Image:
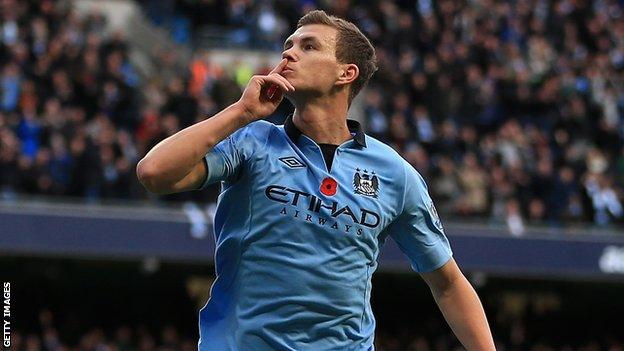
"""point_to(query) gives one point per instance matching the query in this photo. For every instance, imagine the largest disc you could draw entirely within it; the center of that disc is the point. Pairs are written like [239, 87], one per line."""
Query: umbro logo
[292, 162]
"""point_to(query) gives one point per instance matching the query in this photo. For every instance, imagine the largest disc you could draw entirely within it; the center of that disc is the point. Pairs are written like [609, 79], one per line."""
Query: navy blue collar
[354, 127]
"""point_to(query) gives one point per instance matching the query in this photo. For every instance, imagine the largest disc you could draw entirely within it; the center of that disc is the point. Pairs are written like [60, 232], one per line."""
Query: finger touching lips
[280, 66]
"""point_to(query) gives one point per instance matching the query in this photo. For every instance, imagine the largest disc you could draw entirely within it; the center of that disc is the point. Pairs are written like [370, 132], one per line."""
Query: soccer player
[305, 207]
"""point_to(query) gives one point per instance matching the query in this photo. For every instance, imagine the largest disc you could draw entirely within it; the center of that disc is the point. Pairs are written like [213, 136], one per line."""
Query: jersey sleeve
[226, 160]
[418, 230]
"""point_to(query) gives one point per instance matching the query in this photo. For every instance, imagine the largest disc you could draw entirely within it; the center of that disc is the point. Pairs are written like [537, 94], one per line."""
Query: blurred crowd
[511, 110]
[123, 338]
[435, 336]
[69, 104]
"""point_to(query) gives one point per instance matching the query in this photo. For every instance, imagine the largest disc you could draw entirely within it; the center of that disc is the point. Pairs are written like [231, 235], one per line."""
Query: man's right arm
[176, 164]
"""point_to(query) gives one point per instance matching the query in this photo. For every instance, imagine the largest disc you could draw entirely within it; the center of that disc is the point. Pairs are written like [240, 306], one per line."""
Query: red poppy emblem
[329, 186]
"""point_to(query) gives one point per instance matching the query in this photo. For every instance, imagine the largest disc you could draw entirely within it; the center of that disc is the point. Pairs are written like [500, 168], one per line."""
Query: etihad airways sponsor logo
[310, 208]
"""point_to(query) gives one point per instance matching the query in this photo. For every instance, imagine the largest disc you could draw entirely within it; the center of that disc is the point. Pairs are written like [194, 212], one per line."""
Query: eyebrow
[304, 40]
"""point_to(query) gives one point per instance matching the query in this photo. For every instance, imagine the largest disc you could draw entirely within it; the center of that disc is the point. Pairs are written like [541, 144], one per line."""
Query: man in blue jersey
[306, 207]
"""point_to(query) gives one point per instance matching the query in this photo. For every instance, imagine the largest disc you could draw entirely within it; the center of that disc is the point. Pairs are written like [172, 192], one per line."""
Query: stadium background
[512, 111]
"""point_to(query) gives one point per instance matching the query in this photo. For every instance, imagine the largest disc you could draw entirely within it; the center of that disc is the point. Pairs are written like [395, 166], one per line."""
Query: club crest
[435, 217]
[366, 183]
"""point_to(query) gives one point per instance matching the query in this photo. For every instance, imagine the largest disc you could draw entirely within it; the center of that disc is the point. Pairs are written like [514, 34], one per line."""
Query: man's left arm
[460, 306]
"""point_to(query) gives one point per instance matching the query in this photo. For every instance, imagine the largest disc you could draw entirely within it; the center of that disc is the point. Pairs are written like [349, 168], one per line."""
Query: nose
[288, 54]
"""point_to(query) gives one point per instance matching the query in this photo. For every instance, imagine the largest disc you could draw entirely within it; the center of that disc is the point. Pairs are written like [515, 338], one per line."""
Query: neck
[325, 122]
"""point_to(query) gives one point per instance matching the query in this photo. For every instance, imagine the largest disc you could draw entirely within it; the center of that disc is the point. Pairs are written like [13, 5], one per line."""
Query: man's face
[312, 65]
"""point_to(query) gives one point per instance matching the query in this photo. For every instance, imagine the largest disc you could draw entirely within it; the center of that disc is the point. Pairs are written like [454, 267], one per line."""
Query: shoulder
[260, 127]
[254, 133]
[378, 147]
[388, 156]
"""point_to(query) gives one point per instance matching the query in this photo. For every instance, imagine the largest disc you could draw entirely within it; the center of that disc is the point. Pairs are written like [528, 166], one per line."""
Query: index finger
[280, 66]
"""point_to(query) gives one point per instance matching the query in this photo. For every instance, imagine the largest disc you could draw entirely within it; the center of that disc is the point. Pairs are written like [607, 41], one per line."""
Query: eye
[308, 47]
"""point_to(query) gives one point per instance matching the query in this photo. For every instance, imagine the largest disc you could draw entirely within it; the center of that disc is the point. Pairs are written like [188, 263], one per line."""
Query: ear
[347, 74]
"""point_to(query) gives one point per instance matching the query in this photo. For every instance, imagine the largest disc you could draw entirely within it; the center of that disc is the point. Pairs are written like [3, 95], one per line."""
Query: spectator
[604, 199]
[524, 99]
[473, 181]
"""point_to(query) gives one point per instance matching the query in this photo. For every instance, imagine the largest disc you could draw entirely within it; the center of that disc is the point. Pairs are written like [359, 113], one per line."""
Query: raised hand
[264, 93]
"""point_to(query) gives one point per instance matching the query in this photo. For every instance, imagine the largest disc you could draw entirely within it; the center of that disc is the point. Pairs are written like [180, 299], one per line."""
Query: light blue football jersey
[296, 244]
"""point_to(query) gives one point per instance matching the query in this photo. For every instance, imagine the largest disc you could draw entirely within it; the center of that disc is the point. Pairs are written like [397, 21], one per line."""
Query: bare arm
[176, 163]
[460, 306]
